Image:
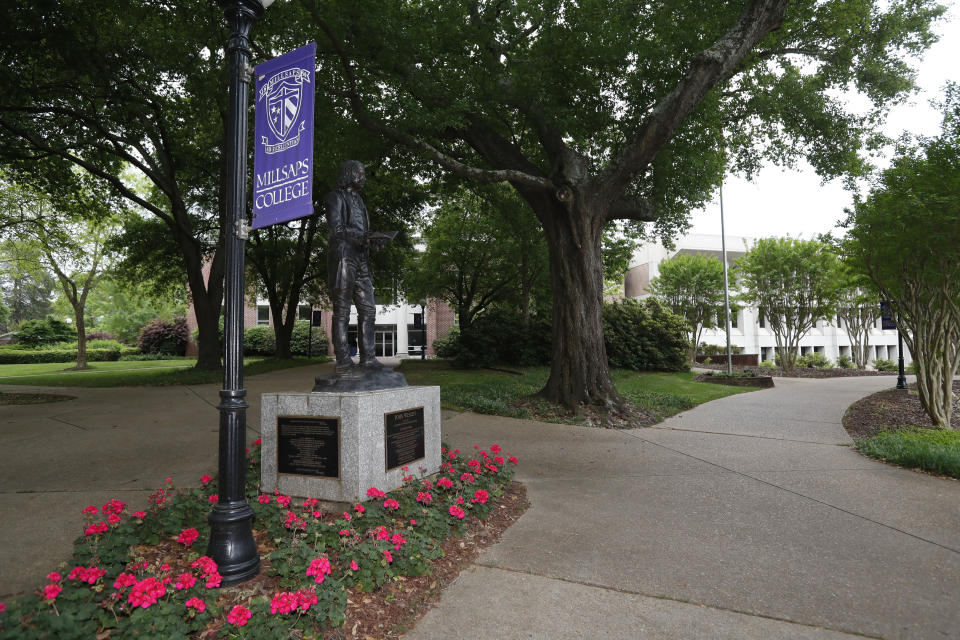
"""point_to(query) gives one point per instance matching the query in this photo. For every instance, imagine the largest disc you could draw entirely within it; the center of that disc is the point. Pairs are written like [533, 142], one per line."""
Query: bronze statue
[348, 267]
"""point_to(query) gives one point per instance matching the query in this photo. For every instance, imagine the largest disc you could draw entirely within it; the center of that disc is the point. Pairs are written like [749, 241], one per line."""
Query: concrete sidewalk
[748, 517]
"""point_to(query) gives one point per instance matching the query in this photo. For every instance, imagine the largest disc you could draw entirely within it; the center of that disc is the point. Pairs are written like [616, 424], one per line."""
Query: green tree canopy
[691, 285]
[905, 237]
[600, 111]
[794, 284]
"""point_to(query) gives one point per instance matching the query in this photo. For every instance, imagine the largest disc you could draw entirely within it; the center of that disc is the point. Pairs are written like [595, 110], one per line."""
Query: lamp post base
[231, 542]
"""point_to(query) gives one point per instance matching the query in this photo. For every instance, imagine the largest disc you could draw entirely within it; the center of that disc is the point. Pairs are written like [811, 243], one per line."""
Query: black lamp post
[423, 324]
[901, 378]
[231, 544]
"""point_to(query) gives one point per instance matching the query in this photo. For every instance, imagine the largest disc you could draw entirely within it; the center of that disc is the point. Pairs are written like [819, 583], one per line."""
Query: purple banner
[283, 138]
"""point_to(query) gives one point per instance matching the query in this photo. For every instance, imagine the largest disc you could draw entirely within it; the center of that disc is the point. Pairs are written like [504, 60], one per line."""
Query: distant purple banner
[283, 138]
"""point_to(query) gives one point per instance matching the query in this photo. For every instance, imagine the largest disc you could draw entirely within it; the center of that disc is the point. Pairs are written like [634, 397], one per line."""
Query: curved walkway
[747, 517]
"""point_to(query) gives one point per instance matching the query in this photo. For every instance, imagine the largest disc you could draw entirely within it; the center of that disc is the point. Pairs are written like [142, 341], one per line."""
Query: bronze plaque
[404, 435]
[308, 446]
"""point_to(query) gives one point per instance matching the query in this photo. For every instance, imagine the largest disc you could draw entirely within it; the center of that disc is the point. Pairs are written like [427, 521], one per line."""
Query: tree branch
[707, 68]
[444, 160]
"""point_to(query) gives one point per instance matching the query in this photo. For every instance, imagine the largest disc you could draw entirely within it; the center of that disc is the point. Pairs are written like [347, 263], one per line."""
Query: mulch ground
[801, 372]
[890, 410]
[32, 398]
[627, 416]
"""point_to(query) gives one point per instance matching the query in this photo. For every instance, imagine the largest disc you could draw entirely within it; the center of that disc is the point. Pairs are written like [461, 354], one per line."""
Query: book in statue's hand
[382, 236]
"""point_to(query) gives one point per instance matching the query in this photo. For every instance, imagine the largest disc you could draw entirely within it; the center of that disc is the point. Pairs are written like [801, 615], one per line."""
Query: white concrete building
[749, 330]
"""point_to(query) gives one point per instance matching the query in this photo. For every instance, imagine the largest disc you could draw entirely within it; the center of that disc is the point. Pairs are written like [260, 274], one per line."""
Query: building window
[839, 322]
[303, 312]
[734, 316]
[263, 314]
[763, 321]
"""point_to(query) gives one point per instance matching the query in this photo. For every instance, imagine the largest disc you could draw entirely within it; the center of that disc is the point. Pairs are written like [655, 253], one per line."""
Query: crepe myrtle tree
[794, 284]
[603, 111]
[858, 309]
[905, 237]
[691, 285]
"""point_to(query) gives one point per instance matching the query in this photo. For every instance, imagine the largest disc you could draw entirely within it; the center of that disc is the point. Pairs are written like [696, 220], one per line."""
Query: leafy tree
[69, 235]
[122, 307]
[691, 285]
[905, 237]
[479, 247]
[112, 85]
[858, 307]
[794, 284]
[602, 111]
[26, 286]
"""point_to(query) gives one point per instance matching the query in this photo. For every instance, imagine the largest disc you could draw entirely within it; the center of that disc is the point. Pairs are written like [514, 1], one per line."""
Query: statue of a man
[348, 267]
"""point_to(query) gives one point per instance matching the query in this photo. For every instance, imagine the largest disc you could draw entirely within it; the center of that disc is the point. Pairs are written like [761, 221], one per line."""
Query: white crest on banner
[282, 96]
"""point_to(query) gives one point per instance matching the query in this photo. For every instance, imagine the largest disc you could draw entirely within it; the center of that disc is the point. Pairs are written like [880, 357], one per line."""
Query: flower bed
[142, 574]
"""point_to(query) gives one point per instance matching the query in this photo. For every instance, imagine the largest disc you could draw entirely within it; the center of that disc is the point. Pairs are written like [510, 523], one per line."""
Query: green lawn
[936, 450]
[489, 391]
[134, 373]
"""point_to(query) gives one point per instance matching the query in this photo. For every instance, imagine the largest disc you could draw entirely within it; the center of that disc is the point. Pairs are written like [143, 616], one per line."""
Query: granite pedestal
[335, 446]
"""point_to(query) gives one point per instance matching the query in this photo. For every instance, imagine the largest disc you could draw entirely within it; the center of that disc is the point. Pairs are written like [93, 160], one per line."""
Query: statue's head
[351, 175]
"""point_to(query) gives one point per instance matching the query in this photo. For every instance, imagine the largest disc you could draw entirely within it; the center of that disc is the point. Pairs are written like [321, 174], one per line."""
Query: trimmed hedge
[34, 333]
[644, 336]
[259, 341]
[300, 340]
[22, 356]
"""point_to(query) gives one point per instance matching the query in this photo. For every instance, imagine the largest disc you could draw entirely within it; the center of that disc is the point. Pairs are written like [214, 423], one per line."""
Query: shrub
[300, 339]
[259, 341]
[446, 347]
[135, 356]
[845, 362]
[644, 336]
[882, 364]
[814, 360]
[36, 333]
[498, 336]
[768, 364]
[717, 350]
[24, 356]
[101, 335]
[161, 336]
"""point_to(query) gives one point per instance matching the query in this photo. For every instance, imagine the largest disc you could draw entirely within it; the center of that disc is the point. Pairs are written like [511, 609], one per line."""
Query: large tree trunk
[579, 372]
[81, 337]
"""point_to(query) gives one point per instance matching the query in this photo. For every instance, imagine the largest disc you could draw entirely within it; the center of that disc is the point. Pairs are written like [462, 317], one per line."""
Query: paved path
[749, 517]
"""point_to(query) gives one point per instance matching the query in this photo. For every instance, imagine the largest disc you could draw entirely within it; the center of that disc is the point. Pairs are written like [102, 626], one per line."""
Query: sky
[779, 202]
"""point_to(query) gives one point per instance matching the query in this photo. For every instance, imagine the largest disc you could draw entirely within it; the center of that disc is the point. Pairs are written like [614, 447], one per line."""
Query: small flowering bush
[114, 587]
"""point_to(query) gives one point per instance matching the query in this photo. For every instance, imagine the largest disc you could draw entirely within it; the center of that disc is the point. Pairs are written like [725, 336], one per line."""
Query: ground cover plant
[892, 426]
[143, 573]
[137, 373]
[655, 395]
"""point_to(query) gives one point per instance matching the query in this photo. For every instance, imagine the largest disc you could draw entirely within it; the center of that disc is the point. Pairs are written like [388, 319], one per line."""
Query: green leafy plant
[301, 341]
[883, 364]
[814, 360]
[936, 450]
[769, 365]
[161, 336]
[645, 336]
[36, 333]
[259, 340]
[845, 362]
